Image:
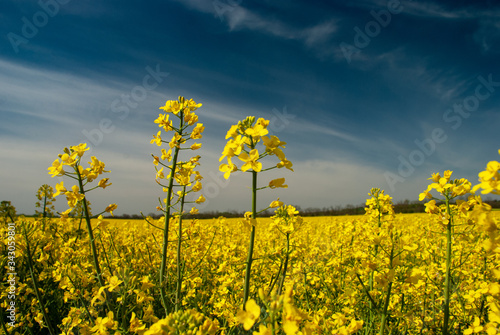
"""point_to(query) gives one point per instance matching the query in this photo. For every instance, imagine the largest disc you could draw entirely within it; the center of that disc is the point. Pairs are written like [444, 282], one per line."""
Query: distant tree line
[405, 206]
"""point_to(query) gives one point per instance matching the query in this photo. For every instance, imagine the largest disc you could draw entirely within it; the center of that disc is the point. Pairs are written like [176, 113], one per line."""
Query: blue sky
[371, 93]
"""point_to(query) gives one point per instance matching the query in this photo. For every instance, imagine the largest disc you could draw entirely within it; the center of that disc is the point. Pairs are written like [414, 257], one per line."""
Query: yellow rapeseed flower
[197, 131]
[227, 169]
[74, 196]
[285, 163]
[200, 199]
[175, 141]
[197, 187]
[279, 182]
[166, 154]
[489, 178]
[172, 106]
[195, 146]
[159, 174]
[263, 330]
[157, 139]
[250, 315]
[276, 203]
[190, 118]
[111, 208]
[104, 183]
[56, 169]
[136, 325]
[113, 283]
[60, 189]
[164, 122]
[257, 131]
[251, 161]
[80, 149]
[232, 132]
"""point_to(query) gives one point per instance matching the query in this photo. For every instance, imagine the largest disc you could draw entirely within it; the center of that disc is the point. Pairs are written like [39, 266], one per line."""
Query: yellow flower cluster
[189, 322]
[182, 109]
[281, 313]
[445, 186]
[243, 139]
[45, 195]
[379, 207]
[286, 220]
[490, 178]
[72, 158]
[184, 172]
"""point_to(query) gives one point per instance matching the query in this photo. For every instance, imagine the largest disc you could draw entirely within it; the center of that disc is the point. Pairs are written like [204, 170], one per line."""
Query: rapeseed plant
[7, 211]
[71, 158]
[380, 211]
[45, 196]
[489, 183]
[286, 221]
[244, 138]
[455, 219]
[181, 174]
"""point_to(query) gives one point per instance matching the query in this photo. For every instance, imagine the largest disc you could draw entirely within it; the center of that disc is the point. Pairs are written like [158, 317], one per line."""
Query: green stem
[165, 231]
[388, 296]
[44, 215]
[273, 323]
[274, 280]
[4, 327]
[252, 238]
[82, 301]
[282, 281]
[372, 273]
[45, 204]
[179, 241]
[89, 229]
[370, 285]
[447, 282]
[305, 290]
[106, 256]
[167, 217]
[367, 292]
[384, 313]
[483, 298]
[35, 284]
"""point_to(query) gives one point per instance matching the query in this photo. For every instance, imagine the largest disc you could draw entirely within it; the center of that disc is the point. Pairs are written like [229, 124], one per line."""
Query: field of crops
[378, 273]
[331, 261]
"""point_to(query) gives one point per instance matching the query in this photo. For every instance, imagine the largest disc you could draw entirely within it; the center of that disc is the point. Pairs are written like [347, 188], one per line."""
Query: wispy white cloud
[433, 9]
[24, 170]
[314, 37]
[45, 110]
[87, 9]
[200, 5]
[66, 103]
[240, 18]
[315, 128]
[401, 67]
[319, 34]
[487, 35]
